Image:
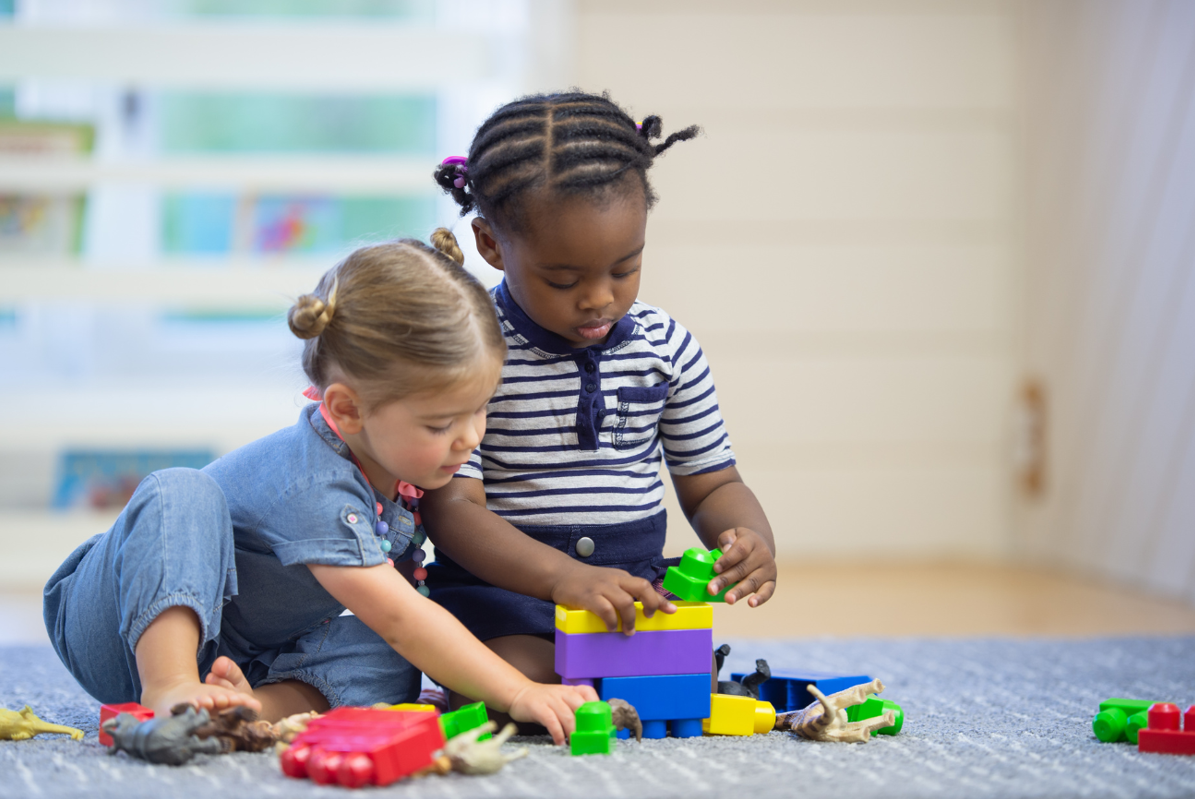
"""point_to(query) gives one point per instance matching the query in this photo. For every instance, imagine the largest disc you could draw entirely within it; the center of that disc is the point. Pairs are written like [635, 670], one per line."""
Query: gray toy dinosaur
[170, 740]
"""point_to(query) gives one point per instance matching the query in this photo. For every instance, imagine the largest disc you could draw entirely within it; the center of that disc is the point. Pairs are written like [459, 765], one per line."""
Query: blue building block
[788, 690]
[660, 697]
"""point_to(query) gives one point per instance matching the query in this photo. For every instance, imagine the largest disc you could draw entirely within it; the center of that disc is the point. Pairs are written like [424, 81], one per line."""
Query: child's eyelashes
[440, 430]
[562, 285]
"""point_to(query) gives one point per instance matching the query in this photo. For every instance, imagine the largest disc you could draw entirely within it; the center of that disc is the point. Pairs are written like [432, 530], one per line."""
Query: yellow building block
[688, 616]
[414, 707]
[738, 715]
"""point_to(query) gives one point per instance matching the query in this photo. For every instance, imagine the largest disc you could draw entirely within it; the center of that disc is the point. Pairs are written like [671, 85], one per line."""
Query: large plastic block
[661, 697]
[691, 577]
[1165, 733]
[789, 690]
[738, 715]
[353, 746]
[463, 719]
[412, 707]
[1120, 719]
[686, 728]
[139, 712]
[688, 616]
[616, 655]
[595, 733]
[873, 707]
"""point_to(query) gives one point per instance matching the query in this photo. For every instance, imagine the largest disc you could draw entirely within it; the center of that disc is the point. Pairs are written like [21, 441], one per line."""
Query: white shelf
[374, 56]
[341, 174]
[225, 284]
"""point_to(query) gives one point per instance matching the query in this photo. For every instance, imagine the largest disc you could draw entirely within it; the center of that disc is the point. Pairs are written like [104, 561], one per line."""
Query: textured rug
[983, 718]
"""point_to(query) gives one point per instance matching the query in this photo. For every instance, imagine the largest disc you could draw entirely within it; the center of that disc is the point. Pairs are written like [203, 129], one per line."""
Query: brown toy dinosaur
[21, 726]
[238, 729]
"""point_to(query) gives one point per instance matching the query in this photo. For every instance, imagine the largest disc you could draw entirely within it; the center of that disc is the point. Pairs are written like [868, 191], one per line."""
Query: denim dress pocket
[639, 410]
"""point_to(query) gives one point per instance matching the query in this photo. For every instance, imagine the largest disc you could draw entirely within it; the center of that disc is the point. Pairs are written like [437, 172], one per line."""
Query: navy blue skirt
[492, 612]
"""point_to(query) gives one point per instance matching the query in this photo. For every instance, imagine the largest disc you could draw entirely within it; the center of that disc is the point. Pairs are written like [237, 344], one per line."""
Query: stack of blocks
[1152, 726]
[663, 670]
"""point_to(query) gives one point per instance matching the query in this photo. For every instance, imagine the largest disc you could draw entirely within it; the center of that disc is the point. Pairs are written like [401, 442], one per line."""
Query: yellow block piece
[410, 706]
[738, 715]
[688, 616]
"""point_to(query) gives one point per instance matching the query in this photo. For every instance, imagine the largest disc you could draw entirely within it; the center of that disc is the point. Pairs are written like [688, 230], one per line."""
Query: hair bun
[445, 242]
[311, 314]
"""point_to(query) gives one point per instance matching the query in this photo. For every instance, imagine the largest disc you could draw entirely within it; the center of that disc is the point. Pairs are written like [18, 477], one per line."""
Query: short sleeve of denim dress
[297, 498]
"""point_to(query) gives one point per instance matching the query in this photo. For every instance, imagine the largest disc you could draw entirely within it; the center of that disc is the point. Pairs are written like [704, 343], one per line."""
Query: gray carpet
[984, 718]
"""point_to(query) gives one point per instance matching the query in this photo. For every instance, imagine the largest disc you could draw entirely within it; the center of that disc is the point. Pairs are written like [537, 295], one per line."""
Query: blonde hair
[397, 319]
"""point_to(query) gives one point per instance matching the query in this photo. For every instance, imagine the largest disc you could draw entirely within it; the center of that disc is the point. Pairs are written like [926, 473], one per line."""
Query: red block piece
[1163, 734]
[140, 712]
[355, 746]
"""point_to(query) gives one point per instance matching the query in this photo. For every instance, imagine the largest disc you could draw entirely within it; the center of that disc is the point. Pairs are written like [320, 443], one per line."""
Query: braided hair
[571, 143]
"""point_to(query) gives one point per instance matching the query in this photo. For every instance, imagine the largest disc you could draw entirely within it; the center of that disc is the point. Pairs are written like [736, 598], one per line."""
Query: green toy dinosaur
[21, 726]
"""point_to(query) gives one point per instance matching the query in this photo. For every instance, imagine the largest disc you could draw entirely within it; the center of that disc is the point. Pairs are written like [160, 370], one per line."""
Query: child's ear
[487, 243]
[344, 406]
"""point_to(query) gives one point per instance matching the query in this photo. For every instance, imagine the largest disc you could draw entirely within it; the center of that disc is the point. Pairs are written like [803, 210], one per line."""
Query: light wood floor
[948, 600]
[883, 600]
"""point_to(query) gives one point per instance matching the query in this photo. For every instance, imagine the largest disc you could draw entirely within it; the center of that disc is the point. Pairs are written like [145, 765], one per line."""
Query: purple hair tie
[462, 165]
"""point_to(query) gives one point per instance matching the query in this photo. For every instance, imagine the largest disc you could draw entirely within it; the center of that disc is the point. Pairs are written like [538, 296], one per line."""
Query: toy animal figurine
[826, 719]
[21, 726]
[289, 728]
[624, 717]
[169, 739]
[470, 756]
[750, 684]
[238, 729]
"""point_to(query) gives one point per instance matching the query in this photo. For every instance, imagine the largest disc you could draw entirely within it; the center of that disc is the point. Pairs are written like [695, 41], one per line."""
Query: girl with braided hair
[561, 502]
[226, 586]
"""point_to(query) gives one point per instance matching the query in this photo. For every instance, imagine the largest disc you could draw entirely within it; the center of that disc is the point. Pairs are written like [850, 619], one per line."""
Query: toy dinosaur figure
[750, 684]
[625, 717]
[470, 756]
[168, 739]
[21, 726]
[826, 719]
[237, 728]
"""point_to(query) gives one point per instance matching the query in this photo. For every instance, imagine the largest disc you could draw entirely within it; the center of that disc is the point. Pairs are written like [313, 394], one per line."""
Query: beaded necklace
[404, 493]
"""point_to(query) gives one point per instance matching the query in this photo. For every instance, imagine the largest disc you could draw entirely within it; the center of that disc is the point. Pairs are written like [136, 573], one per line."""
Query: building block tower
[663, 670]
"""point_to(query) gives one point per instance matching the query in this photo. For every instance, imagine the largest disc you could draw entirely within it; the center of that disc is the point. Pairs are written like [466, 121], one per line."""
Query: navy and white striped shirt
[574, 436]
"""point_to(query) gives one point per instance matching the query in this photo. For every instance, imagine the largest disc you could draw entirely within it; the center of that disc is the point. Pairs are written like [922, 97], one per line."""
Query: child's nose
[598, 297]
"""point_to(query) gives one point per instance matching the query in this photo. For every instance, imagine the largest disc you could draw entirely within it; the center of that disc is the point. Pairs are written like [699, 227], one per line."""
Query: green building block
[1119, 720]
[467, 717]
[595, 734]
[689, 579]
[874, 706]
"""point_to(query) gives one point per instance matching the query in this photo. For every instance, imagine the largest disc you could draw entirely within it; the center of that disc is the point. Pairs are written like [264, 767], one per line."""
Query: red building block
[140, 712]
[1163, 735]
[355, 746]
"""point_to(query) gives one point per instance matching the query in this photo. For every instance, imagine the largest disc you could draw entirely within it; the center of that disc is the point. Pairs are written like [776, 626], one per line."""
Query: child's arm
[459, 522]
[435, 642]
[727, 516]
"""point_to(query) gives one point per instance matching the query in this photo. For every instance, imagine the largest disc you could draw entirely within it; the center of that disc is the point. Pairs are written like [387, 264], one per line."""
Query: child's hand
[610, 594]
[553, 706]
[746, 560]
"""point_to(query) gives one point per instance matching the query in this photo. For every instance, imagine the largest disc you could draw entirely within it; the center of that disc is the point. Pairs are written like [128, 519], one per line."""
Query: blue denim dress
[232, 542]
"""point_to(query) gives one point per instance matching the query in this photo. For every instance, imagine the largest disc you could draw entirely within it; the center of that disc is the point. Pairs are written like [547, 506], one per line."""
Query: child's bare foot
[160, 699]
[227, 674]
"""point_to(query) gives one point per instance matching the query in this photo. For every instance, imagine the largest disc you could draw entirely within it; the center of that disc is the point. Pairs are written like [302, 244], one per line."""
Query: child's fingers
[604, 609]
[550, 719]
[580, 695]
[763, 594]
[632, 588]
[652, 600]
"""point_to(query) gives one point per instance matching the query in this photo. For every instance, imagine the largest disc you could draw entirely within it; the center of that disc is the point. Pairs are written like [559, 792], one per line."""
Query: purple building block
[591, 655]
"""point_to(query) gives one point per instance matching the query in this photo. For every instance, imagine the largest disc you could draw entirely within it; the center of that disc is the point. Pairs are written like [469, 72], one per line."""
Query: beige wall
[843, 242]
[1110, 318]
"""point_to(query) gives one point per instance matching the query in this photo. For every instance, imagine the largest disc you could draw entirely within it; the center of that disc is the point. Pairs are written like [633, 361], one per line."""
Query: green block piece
[689, 579]
[1137, 721]
[1119, 720]
[465, 718]
[873, 707]
[595, 732]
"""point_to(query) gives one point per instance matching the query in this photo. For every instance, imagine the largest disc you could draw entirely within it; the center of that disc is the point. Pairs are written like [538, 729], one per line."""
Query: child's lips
[598, 328]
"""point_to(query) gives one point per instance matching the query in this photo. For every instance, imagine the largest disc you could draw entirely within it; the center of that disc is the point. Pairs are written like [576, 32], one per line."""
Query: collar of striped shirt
[548, 341]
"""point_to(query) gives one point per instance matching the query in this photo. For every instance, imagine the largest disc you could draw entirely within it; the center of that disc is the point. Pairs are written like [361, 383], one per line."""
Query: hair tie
[462, 169]
[313, 393]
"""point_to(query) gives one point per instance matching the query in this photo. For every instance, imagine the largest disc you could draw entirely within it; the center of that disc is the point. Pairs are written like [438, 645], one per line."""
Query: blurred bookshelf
[234, 151]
